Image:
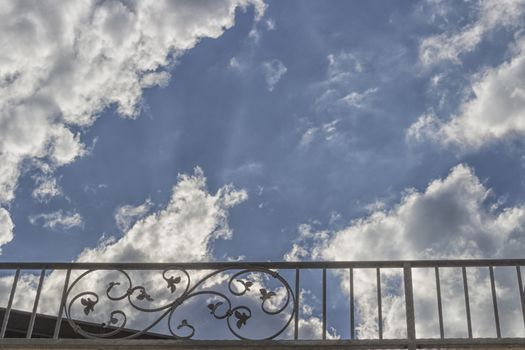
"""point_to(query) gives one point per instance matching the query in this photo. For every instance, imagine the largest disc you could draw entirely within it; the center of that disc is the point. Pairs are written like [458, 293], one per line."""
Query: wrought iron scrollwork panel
[232, 304]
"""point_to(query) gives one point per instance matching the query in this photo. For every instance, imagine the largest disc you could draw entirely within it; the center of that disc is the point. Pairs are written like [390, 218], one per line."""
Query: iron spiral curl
[221, 304]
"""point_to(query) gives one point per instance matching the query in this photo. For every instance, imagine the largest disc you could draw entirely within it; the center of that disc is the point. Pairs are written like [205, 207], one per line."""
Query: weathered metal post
[409, 306]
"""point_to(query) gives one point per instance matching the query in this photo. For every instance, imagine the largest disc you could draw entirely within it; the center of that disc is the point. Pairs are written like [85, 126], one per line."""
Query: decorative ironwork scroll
[278, 302]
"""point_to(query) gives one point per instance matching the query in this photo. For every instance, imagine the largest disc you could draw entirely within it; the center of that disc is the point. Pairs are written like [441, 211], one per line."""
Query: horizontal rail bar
[266, 264]
[411, 342]
[265, 344]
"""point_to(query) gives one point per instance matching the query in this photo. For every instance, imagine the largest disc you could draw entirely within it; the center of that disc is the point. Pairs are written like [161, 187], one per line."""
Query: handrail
[274, 287]
[267, 264]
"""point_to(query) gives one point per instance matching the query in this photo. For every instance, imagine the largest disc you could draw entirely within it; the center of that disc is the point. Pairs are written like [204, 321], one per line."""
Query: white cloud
[308, 136]
[346, 85]
[492, 14]
[326, 132]
[94, 188]
[6, 227]
[343, 65]
[374, 206]
[183, 231]
[310, 324]
[311, 328]
[61, 64]
[356, 99]
[340, 98]
[57, 220]
[126, 215]
[453, 217]
[236, 64]
[334, 217]
[495, 111]
[307, 244]
[270, 24]
[273, 72]
[47, 188]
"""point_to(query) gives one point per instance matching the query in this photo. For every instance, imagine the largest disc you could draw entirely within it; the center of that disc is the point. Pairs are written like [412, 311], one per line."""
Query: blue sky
[174, 131]
[307, 107]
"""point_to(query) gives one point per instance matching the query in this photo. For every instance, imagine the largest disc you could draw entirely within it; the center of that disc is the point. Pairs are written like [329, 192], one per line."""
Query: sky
[261, 130]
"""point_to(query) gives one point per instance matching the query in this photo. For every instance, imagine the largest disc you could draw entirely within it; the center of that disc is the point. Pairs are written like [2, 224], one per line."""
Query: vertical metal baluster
[409, 307]
[62, 302]
[324, 303]
[352, 326]
[520, 283]
[35, 305]
[297, 295]
[467, 301]
[440, 307]
[9, 304]
[494, 301]
[379, 311]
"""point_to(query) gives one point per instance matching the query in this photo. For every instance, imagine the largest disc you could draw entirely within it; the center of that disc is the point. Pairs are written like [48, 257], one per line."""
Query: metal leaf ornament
[214, 307]
[89, 305]
[265, 294]
[183, 323]
[246, 284]
[113, 284]
[241, 318]
[143, 295]
[112, 320]
[221, 303]
[172, 281]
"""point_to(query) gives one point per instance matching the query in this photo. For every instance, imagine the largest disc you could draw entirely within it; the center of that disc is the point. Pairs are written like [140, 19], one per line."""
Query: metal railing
[233, 292]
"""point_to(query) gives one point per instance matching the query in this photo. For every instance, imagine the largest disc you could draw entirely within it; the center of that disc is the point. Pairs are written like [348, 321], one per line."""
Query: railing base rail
[455, 343]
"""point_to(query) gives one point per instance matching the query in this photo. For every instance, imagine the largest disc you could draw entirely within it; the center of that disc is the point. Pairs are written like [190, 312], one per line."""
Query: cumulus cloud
[310, 325]
[308, 241]
[46, 188]
[183, 231]
[57, 220]
[6, 227]
[491, 15]
[311, 328]
[495, 111]
[126, 215]
[273, 72]
[63, 63]
[454, 217]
